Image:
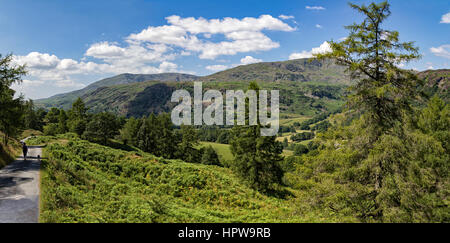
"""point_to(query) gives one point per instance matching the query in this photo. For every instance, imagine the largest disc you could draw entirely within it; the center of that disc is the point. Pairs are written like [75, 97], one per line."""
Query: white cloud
[286, 17]
[243, 35]
[299, 55]
[217, 68]
[445, 18]
[244, 61]
[319, 26]
[227, 25]
[105, 50]
[38, 60]
[68, 84]
[441, 51]
[168, 67]
[324, 48]
[32, 83]
[249, 60]
[315, 8]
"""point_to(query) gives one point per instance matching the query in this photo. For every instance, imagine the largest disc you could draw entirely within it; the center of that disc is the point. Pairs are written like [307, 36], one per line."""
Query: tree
[79, 110]
[387, 165]
[372, 54]
[147, 136]
[103, 126]
[11, 109]
[167, 142]
[31, 120]
[51, 129]
[210, 156]
[156, 136]
[52, 116]
[62, 122]
[40, 116]
[186, 148]
[435, 120]
[129, 132]
[78, 117]
[256, 158]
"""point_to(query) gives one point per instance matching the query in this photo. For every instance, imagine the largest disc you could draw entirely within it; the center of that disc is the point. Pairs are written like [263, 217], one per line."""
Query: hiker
[24, 150]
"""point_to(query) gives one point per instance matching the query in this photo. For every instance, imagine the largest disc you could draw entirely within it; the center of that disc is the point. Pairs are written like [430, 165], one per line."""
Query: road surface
[19, 189]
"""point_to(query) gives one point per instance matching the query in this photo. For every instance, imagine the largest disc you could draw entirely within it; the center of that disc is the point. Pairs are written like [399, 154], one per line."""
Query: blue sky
[70, 44]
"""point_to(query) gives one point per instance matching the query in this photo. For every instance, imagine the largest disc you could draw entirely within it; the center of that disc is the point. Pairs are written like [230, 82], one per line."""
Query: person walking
[24, 150]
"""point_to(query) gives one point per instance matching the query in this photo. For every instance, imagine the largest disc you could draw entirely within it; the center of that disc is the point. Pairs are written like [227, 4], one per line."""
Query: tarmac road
[19, 189]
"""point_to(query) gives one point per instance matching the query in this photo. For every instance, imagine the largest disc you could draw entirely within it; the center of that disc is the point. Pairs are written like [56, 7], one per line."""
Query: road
[19, 189]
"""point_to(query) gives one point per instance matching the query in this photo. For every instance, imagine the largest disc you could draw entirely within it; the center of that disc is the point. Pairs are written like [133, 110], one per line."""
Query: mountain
[301, 70]
[128, 78]
[306, 88]
[437, 82]
[66, 99]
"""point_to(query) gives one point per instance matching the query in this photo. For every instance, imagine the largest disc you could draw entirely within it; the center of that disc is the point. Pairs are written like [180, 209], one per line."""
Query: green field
[291, 121]
[224, 152]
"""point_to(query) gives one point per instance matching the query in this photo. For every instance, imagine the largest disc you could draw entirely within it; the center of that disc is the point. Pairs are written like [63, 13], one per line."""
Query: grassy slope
[85, 182]
[223, 150]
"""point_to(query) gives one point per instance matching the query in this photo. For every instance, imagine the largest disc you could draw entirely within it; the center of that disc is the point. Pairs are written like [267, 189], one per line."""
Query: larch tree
[373, 55]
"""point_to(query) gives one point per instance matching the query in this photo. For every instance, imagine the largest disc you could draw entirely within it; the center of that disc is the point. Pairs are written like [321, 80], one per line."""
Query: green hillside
[64, 100]
[287, 73]
[141, 99]
[300, 70]
[86, 182]
[437, 82]
[306, 88]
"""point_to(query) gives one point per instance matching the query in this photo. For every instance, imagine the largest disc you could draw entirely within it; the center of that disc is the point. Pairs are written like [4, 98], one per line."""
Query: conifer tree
[372, 55]
[256, 158]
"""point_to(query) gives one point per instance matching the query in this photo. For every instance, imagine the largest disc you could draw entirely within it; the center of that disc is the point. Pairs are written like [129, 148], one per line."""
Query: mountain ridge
[306, 88]
[301, 70]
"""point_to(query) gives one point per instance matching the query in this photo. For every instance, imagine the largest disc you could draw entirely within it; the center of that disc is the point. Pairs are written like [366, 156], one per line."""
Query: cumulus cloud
[445, 18]
[249, 60]
[441, 51]
[324, 48]
[105, 50]
[315, 8]
[242, 35]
